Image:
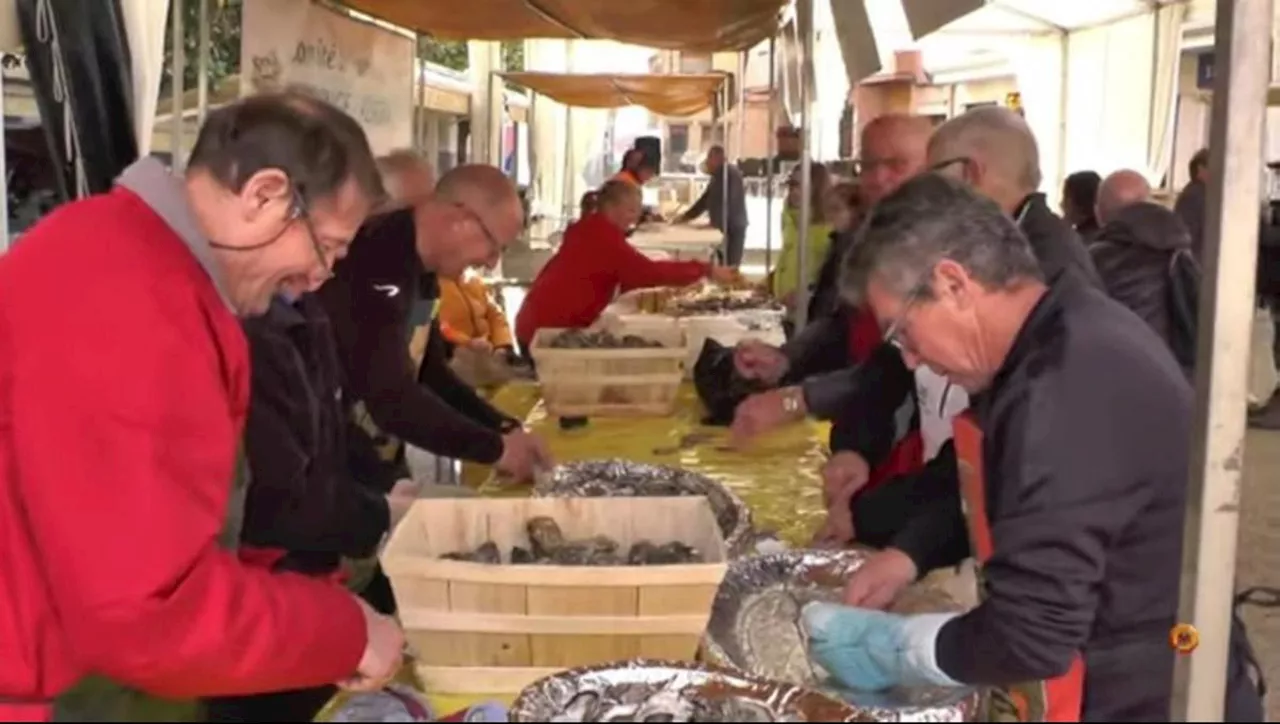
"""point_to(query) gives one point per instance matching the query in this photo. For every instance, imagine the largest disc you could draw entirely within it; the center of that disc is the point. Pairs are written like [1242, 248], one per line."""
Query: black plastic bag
[718, 383]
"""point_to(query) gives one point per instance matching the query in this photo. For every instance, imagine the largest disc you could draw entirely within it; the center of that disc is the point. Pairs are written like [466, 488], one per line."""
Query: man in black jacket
[386, 287]
[1075, 496]
[1136, 252]
[309, 505]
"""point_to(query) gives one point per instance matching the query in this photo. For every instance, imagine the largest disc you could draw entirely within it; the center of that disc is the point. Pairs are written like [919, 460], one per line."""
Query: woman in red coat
[596, 262]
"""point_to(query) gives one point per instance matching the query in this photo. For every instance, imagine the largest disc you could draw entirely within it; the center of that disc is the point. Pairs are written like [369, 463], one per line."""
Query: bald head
[994, 149]
[892, 151]
[1119, 190]
[473, 215]
[407, 177]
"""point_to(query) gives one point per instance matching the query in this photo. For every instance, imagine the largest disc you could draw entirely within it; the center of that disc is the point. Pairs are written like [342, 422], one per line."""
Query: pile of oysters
[547, 546]
[583, 339]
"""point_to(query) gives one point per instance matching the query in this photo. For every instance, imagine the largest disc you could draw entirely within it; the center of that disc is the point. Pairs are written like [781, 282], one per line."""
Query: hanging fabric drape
[665, 95]
[1167, 52]
[81, 79]
[705, 25]
[144, 22]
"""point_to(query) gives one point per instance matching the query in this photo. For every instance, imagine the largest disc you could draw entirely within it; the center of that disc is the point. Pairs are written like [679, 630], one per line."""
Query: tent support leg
[772, 152]
[178, 86]
[1217, 455]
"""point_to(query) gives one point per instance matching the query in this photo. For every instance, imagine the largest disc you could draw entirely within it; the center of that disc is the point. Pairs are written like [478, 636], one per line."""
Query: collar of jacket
[166, 195]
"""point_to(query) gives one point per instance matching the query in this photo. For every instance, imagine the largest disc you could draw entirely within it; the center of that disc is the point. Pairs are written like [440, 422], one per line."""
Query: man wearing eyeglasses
[1073, 477]
[387, 287]
[120, 485]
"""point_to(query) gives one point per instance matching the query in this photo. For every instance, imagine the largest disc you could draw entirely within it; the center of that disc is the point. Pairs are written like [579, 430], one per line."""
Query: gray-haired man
[1075, 496]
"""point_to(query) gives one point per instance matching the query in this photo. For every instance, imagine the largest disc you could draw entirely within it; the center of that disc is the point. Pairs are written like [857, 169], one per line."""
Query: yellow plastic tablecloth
[777, 477]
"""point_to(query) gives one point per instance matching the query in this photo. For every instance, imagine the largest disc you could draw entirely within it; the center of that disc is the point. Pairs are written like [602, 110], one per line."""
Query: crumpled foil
[640, 678]
[811, 575]
[620, 478]
[395, 703]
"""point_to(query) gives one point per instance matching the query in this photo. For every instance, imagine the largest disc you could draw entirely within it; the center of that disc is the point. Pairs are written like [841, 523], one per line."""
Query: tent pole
[1243, 43]
[742, 106]
[806, 8]
[176, 89]
[771, 152]
[202, 77]
[724, 174]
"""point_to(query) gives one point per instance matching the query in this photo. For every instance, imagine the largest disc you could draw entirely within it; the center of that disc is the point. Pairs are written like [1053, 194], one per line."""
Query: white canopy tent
[1079, 65]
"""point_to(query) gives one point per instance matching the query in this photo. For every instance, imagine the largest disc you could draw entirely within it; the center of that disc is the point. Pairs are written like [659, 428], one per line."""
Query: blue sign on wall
[1204, 71]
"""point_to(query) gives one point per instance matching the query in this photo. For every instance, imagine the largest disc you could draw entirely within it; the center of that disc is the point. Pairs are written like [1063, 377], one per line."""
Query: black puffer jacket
[1132, 254]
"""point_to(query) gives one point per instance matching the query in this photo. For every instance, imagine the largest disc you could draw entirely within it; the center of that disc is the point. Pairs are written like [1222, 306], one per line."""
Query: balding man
[407, 178]
[1144, 255]
[387, 286]
[822, 362]
[994, 151]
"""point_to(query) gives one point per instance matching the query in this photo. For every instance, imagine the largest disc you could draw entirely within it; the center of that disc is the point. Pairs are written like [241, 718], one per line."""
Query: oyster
[547, 545]
[545, 536]
[583, 339]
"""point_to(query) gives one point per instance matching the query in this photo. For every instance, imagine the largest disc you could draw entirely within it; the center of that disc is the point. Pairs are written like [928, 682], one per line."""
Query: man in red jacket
[594, 263]
[119, 489]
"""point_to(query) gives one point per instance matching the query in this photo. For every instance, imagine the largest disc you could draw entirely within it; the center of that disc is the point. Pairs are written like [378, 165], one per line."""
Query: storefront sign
[361, 68]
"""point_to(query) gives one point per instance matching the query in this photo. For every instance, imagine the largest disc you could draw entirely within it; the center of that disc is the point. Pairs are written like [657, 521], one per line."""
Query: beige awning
[665, 95]
[701, 25]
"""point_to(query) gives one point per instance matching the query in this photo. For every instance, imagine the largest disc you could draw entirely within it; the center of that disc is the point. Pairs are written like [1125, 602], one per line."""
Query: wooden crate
[611, 382]
[491, 630]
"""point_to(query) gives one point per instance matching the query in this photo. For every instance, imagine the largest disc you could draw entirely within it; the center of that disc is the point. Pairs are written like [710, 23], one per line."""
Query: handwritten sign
[361, 68]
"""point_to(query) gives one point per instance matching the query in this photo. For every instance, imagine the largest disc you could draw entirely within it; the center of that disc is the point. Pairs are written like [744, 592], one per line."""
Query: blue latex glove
[871, 650]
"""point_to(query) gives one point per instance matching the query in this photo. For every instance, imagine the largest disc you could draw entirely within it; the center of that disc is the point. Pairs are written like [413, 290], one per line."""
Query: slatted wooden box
[611, 382]
[490, 630]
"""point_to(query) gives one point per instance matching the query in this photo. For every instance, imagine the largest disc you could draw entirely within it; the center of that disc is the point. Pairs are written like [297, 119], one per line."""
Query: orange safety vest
[628, 176]
[1053, 700]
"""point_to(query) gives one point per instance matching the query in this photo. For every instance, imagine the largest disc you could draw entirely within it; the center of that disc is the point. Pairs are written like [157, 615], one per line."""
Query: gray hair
[616, 191]
[929, 219]
[997, 135]
[393, 165]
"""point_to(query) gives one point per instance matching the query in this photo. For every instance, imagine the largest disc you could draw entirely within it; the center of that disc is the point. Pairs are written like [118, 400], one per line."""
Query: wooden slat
[552, 625]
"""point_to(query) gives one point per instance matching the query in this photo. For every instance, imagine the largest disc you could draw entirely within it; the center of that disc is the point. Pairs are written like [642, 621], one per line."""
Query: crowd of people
[1004, 390]
[1000, 389]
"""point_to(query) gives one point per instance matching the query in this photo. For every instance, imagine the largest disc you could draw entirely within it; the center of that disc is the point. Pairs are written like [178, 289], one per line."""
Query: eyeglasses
[495, 246]
[302, 213]
[895, 333]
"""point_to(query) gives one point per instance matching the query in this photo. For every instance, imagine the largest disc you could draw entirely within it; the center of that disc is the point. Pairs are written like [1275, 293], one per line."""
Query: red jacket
[595, 262]
[124, 385]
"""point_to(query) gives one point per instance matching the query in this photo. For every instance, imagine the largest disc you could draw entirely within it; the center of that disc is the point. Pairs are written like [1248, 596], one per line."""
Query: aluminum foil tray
[394, 704]
[619, 478]
[658, 691]
[754, 629]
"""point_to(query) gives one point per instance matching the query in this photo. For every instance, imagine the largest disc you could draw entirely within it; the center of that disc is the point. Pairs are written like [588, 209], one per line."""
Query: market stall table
[681, 241]
[777, 477]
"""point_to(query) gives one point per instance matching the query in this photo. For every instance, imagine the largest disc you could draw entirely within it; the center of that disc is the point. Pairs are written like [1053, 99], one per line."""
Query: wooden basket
[491, 630]
[611, 382]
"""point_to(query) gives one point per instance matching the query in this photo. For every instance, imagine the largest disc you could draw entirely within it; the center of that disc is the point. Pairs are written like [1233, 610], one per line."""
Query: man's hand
[383, 652]
[881, 578]
[837, 531]
[843, 475]
[756, 360]
[766, 411]
[480, 344]
[523, 455]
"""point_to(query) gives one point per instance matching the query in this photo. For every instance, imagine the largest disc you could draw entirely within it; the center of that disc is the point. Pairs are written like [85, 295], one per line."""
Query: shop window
[677, 146]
